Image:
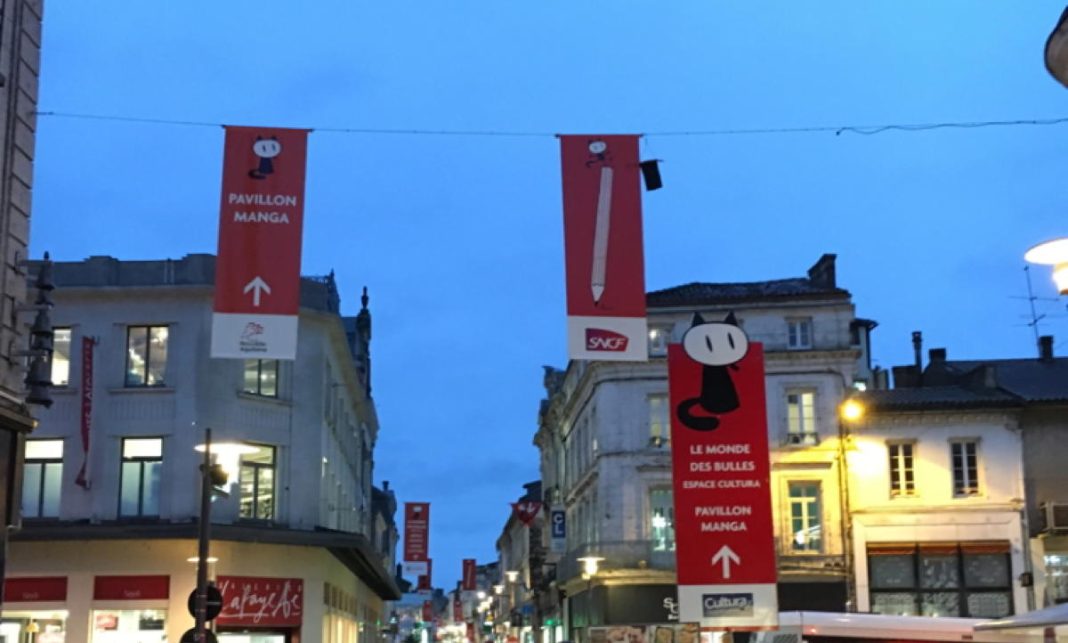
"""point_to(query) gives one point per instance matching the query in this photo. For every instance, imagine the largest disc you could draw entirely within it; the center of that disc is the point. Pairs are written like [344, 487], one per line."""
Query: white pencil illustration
[600, 235]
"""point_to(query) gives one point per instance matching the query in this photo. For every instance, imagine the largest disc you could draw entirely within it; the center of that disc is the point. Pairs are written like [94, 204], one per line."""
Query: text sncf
[599, 339]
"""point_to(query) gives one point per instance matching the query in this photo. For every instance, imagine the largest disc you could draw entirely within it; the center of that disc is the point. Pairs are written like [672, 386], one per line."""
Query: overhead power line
[864, 130]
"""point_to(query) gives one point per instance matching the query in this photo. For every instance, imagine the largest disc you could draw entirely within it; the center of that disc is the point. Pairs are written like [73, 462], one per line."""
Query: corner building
[605, 442]
[112, 484]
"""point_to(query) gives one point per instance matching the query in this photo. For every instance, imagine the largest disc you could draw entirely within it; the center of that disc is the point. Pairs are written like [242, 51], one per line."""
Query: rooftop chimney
[1045, 348]
[822, 272]
[917, 349]
[906, 377]
[936, 355]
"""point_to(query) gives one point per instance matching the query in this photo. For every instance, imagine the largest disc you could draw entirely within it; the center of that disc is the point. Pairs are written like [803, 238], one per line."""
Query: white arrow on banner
[257, 286]
[727, 555]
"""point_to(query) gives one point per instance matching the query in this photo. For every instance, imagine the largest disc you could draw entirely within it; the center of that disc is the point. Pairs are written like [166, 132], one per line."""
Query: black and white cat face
[598, 147]
[267, 148]
[715, 343]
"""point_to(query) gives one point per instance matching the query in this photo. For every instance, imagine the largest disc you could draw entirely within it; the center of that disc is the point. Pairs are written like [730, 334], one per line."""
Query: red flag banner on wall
[457, 609]
[428, 611]
[469, 581]
[725, 545]
[603, 247]
[425, 582]
[82, 479]
[526, 511]
[257, 273]
[416, 531]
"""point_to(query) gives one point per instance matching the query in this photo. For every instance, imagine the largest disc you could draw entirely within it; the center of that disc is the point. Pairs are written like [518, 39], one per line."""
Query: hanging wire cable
[837, 130]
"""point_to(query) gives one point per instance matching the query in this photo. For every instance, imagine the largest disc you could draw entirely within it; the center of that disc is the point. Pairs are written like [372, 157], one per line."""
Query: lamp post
[203, 539]
[1053, 253]
[850, 412]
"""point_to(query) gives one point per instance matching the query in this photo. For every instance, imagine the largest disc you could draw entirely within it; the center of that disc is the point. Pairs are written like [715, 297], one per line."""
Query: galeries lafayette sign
[249, 600]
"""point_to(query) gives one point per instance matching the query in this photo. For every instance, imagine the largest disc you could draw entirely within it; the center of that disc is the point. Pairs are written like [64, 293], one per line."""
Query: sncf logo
[599, 339]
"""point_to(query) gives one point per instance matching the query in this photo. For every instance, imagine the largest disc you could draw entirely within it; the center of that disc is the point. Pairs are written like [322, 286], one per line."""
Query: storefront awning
[1048, 617]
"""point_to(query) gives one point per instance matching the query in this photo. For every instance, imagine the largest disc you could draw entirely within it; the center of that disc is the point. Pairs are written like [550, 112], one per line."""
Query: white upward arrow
[727, 555]
[257, 286]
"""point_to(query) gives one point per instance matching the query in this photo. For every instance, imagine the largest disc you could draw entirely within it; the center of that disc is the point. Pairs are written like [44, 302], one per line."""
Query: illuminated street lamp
[512, 575]
[1057, 50]
[1053, 253]
[590, 565]
[498, 589]
[851, 410]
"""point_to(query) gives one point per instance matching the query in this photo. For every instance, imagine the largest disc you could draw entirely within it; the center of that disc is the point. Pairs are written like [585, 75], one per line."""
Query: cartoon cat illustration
[266, 149]
[718, 346]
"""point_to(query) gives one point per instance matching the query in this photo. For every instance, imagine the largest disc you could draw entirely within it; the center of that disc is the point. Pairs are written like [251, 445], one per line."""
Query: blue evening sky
[459, 238]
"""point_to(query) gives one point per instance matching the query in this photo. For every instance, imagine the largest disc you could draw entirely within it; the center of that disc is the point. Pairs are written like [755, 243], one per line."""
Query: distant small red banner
[470, 580]
[131, 588]
[35, 590]
[261, 602]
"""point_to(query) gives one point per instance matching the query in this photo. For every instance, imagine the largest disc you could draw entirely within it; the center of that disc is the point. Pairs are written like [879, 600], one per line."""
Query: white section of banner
[243, 336]
[718, 607]
[414, 569]
[617, 339]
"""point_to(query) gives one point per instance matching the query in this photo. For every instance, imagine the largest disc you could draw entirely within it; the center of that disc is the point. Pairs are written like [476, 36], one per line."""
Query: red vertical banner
[603, 247]
[469, 580]
[721, 472]
[457, 609]
[428, 611]
[82, 479]
[257, 273]
[471, 631]
[416, 531]
[425, 582]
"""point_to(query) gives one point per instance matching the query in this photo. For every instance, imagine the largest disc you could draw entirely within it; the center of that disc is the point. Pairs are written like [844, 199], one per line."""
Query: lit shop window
[61, 357]
[257, 484]
[142, 460]
[42, 478]
[146, 355]
[806, 525]
[662, 519]
[129, 626]
[261, 377]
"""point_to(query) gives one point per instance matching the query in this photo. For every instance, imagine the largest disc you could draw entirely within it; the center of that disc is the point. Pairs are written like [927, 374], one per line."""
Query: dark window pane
[150, 500]
[252, 376]
[989, 604]
[939, 571]
[131, 489]
[269, 377]
[53, 481]
[31, 490]
[897, 603]
[940, 603]
[986, 570]
[891, 572]
[157, 363]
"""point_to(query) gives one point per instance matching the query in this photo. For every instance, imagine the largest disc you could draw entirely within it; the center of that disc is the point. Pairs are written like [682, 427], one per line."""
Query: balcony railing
[631, 554]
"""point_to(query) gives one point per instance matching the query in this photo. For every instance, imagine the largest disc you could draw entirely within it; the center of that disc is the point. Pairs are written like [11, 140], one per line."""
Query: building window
[42, 478]
[261, 377]
[257, 484]
[902, 480]
[806, 524]
[146, 355]
[1056, 579]
[61, 357]
[659, 423]
[659, 336]
[799, 333]
[801, 418]
[662, 519]
[142, 460]
[965, 468]
[941, 579]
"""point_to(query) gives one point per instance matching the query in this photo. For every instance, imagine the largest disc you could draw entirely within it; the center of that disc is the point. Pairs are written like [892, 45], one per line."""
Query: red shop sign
[249, 600]
[37, 589]
[131, 588]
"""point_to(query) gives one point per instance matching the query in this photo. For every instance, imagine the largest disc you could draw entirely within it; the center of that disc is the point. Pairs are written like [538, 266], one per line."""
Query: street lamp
[590, 565]
[851, 410]
[1057, 50]
[1053, 253]
[498, 589]
[512, 575]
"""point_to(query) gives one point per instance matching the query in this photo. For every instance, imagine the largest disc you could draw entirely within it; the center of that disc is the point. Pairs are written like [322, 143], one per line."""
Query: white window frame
[659, 419]
[806, 504]
[799, 333]
[60, 368]
[669, 520]
[906, 488]
[972, 484]
[802, 434]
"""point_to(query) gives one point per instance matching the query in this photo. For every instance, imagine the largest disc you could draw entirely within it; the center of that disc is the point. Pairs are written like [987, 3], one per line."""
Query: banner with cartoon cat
[261, 218]
[721, 474]
[603, 248]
